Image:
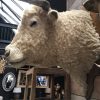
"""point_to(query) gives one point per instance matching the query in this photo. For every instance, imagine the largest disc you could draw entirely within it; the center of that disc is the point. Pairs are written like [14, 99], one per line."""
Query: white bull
[49, 38]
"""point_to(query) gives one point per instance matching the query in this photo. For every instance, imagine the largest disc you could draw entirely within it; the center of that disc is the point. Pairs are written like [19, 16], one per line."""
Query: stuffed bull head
[32, 33]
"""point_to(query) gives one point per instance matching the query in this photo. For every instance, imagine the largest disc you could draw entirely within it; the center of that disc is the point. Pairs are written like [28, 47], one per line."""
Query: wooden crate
[50, 74]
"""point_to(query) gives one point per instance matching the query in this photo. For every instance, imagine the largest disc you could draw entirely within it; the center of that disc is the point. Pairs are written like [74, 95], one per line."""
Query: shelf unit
[31, 83]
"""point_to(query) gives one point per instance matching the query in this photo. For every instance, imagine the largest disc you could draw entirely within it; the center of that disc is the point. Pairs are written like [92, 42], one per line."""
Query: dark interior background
[59, 5]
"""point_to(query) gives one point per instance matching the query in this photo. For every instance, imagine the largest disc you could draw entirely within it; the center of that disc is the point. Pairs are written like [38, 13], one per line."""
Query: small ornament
[2, 65]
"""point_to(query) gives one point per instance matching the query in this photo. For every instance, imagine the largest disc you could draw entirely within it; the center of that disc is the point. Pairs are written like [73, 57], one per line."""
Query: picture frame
[21, 82]
[42, 81]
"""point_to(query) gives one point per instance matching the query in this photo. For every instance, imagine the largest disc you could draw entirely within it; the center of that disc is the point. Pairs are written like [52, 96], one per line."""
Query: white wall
[74, 4]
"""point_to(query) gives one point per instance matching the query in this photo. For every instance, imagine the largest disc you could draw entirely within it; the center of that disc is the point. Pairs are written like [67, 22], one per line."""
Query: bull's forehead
[32, 10]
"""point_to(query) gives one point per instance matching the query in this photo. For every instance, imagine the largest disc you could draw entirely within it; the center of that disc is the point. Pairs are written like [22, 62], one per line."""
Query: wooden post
[33, 86]
[26, 89]
[52, 87]
[67, 94]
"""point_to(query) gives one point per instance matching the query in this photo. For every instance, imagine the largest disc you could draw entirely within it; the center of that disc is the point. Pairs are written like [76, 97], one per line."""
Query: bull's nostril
[7, 52]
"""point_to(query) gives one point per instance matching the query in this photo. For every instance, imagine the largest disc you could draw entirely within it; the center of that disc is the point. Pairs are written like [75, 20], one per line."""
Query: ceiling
[11, 10]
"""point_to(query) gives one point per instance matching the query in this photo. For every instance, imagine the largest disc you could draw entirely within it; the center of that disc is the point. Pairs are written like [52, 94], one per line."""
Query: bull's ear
[53, 15]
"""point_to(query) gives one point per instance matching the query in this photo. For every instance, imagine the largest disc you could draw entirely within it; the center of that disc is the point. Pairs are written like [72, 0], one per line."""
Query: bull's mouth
[17, 64]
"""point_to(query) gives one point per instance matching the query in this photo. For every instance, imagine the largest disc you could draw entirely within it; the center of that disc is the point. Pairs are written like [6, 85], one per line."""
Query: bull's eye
[33, 23]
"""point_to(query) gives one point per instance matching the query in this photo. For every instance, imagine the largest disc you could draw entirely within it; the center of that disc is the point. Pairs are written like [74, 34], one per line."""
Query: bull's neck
[51, 47]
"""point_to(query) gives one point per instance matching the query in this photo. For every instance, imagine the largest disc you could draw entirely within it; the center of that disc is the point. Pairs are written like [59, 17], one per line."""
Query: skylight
[11, 10]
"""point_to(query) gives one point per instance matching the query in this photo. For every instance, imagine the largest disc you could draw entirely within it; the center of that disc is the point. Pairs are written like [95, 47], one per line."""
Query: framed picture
[42, 81]
[21, 78]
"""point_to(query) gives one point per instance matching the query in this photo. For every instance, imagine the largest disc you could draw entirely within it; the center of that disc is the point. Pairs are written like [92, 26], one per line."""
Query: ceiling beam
[13, 26]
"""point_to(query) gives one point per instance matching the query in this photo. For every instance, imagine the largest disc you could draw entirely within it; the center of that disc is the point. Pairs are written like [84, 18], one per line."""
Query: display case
[47, 84]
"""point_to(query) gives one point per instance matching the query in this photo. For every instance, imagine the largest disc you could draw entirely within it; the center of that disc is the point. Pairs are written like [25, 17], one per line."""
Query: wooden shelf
[50, 72]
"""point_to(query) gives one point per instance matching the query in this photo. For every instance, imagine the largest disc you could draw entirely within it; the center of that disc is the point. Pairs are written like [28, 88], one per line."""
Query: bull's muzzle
[13, 54]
